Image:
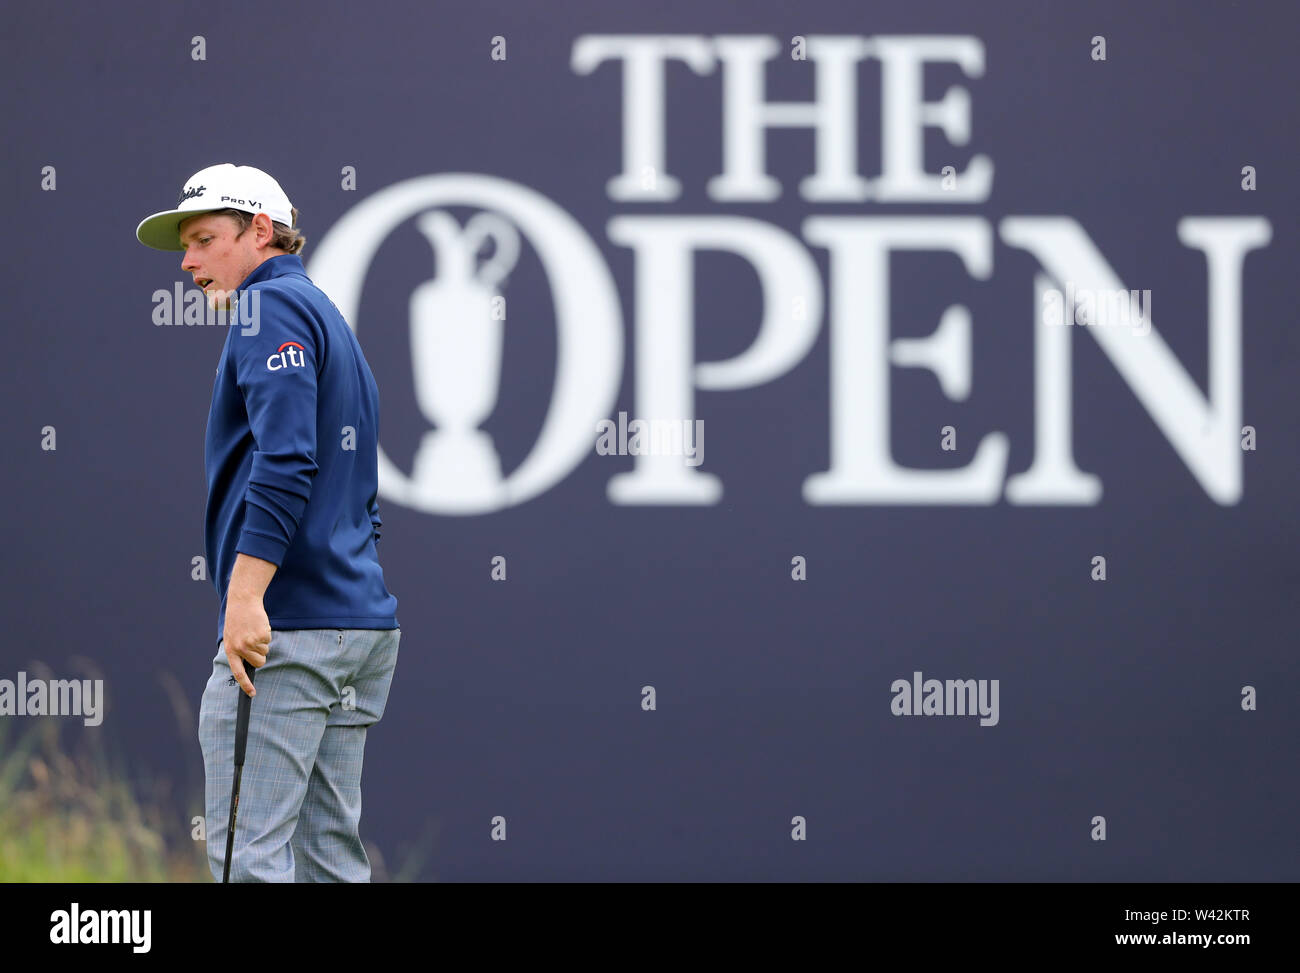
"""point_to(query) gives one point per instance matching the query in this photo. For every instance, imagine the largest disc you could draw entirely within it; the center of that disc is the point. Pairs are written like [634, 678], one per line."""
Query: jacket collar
[279, 266]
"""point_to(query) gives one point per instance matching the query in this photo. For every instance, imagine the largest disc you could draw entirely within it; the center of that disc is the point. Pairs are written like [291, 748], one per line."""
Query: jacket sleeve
[277, 373]
[375, 520]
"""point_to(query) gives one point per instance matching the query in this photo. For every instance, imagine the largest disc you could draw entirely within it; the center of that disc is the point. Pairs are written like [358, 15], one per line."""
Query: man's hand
[247, 638]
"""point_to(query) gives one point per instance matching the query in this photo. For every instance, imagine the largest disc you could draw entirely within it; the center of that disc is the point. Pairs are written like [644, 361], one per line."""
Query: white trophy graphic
[456, 354]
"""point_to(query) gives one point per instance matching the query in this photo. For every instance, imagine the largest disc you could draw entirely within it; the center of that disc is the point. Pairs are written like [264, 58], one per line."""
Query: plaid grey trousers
[300, 794]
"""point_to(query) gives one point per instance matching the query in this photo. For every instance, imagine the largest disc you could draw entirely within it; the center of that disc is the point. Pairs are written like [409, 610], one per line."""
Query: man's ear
[263, 230]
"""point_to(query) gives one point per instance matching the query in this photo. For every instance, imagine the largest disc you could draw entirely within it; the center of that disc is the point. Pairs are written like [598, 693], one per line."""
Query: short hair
[285, 238]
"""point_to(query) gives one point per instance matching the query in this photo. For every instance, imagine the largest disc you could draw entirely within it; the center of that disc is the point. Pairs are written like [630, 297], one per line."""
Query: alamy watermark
[651, 437]
[74, 926]
[53, 697]
[949, 697]
[1098, 309]
[177, 307]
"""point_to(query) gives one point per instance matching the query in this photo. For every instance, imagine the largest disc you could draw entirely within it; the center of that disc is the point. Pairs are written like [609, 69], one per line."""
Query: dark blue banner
[820, 442]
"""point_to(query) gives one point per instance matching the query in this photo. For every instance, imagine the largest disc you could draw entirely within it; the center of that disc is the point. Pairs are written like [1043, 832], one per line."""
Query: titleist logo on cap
[190, 194]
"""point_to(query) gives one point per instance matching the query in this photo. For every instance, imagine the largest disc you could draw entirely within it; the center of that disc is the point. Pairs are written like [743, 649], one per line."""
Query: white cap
[226, 186]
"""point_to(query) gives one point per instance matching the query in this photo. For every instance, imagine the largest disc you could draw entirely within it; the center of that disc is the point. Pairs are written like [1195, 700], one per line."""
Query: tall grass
[76, 815]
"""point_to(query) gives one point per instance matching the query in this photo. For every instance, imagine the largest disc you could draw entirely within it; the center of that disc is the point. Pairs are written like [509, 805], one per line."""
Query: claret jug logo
[456, 340]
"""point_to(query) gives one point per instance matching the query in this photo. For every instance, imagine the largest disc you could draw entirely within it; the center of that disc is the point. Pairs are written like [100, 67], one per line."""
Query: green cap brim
[162, 231]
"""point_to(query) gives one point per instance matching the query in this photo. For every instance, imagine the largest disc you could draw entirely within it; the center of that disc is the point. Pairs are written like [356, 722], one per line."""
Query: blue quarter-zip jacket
[291, 457]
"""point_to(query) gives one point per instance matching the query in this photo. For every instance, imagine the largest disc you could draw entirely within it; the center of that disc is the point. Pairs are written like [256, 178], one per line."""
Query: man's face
[217, 260]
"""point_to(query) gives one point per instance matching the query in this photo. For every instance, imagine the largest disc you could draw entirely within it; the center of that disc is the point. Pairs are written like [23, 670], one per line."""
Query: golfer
[290, 528]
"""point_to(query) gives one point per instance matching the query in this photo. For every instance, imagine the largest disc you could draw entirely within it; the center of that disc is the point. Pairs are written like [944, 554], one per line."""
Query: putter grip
[241, 720]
